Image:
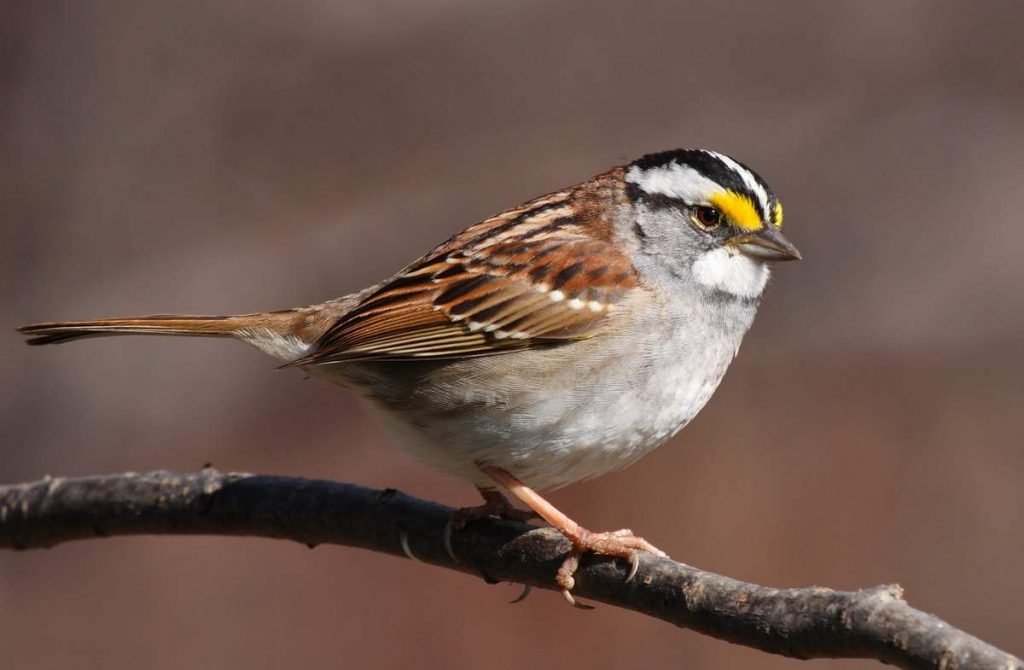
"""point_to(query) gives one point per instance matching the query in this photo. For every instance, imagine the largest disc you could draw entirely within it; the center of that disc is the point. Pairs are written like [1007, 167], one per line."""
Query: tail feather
[286, 334]
[58, 332]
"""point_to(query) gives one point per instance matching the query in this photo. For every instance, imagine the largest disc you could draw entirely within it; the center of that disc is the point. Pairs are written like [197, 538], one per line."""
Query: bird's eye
[706, 218]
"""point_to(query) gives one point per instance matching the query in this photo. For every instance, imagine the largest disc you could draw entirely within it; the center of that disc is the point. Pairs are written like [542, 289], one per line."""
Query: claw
[522, 596]
[634, 565]
[575, 603]
[448, 541]
[403, 539]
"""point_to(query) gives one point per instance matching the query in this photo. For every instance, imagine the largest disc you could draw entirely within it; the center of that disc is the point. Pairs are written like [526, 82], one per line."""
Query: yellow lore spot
[778, 214]
[738, 209]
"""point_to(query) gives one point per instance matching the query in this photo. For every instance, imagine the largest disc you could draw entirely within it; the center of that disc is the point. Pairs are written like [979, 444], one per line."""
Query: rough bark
[802, 622]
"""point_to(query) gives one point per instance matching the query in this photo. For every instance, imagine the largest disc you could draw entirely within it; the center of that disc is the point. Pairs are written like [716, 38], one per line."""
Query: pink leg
[620, 543]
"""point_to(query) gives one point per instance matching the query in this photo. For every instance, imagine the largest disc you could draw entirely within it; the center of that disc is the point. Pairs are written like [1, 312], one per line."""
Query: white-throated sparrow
[552, 343]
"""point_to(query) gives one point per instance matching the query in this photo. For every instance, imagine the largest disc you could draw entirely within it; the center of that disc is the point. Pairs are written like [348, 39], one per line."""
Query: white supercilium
[675, 181]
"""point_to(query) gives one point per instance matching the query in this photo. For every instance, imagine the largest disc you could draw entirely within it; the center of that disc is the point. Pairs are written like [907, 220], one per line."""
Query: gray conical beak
[768, 244]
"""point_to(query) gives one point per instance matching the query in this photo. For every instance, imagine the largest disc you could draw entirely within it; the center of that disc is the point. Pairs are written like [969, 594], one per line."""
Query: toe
[565, 577]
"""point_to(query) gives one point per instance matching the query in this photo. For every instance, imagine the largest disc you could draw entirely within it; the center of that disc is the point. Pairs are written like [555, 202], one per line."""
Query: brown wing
[538, 275]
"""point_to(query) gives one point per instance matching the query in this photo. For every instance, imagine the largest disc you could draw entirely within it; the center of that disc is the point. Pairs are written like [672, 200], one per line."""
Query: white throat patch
[730, 271]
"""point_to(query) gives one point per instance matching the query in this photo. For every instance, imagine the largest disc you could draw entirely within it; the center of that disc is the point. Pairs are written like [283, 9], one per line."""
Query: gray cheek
[667, 243]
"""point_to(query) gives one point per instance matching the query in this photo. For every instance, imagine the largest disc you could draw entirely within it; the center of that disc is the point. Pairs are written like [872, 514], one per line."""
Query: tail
[58, 332]
[285, 334]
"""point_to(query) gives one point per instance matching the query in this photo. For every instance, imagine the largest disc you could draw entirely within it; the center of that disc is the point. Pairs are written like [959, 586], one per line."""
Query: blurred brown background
[228, 157]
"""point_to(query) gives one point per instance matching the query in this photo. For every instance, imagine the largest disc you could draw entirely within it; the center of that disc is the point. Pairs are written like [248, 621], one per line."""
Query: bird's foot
[495, 506]
[617, 543]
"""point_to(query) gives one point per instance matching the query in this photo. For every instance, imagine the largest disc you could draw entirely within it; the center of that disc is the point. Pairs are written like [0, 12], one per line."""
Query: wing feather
[535, 276]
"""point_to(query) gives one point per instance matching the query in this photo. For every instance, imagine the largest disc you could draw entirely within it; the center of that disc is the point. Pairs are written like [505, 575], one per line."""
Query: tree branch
[802, 623]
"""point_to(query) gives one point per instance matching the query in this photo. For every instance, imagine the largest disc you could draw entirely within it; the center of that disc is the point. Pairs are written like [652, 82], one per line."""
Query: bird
[549, 344]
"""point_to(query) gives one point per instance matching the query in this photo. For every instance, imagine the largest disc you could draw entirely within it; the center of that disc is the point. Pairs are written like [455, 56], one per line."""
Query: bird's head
[706, 214]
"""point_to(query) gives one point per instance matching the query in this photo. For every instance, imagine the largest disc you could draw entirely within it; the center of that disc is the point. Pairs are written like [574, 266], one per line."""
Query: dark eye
[706, 218]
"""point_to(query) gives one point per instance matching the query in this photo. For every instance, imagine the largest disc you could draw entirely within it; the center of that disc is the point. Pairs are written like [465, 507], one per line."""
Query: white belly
[545, 417]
